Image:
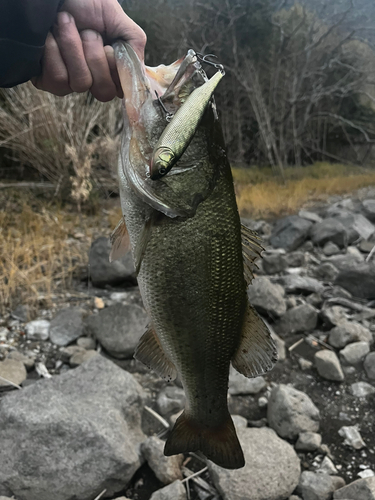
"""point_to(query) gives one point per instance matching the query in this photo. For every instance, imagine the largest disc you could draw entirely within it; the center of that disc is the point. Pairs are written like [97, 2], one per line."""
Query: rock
[305, 364]
[118, 328]
[266, 297]
[295, 259]
[362, 489]
[353, 354]
[280, 345]
[362, 389]
[351, 258]
[170, 399]
[301, 284]
[81, 357]
[352, 437]
[303, 318]
[21, 313]
[290, 232]
[308, 441]
[315, 300]
[359, 280]
[271, 463]
[356, 226]
[73, 435]
[338, 482]
[273, 262]
[66, 326]
[67, 352]
[366, 473]
[316, 486]
[327, 467]
[103, 272]
[166, 469]
[174, 491]
[37, 329]
[326, 271]
[347, 332]
[86, 342]
[366, 246]
[239, 384]
[328, 365]
[369, 209]
[12, 370]
[329, 229]
[332, 316]
[311, 216]
[239, 422]
[330, 249]
[291, 412]
[369, 365]
[27, 360]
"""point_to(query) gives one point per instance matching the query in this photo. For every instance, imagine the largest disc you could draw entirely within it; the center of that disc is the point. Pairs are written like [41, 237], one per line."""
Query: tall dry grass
[71, 141]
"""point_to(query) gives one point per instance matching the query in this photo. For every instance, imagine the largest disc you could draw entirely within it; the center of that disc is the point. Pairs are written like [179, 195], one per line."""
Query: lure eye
[162, 170]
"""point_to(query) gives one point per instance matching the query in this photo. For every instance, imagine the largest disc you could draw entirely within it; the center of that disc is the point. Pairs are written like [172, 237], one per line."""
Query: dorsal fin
[251, 251]
[150, 352]
[120, 241]
[257, 352]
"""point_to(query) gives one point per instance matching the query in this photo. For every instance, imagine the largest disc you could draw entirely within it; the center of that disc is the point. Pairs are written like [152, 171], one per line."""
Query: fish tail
[219, 444]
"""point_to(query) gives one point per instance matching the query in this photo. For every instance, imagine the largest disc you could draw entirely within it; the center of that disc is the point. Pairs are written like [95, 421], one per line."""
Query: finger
[110, 53]
[54, 77]
[70, 45]
[103, 87]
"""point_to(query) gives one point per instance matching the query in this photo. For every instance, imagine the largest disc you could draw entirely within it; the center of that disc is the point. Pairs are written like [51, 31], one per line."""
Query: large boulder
[291, 411]
[290, 232]
[266, 297]
[103, 272]
[271, 470]
[72, 436]
[118, 328]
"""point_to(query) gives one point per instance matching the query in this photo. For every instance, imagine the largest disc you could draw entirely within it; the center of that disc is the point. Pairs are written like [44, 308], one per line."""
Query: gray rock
[290, 232]
[73, 435]
[291, 412]
[12, 370]
[352, 437]
[366, 246]
[362, 489]
[353, 354]
[21, 313]
[308, 441]
[305, 364]
[273, 262]
[37, 329]
[27, 360]
[301, 284]
[369, 209]
[329, 229]
[86, 343]
[350, 259]
[103, 272]
[239, 384]
[327, 467]
[332, 316]
[171, 399]
[359, 280]
[347, 332]
[316, 486]
[66, 326]
[356, 226]
[311, 216]
[264, 451]
[315, 300]
[266, 297]
[326, 271]
[280, 345]
[295, 259]
[362, 389]
[65, 353]
[303, 318]
[369, 365]
[328, 365]
[166, 469]
[81, 357]
[330, 249]
[239, 422]
[118, 328]
[174, 491]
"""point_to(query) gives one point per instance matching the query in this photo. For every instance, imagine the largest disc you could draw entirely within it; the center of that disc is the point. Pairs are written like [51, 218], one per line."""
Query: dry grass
[261, 195]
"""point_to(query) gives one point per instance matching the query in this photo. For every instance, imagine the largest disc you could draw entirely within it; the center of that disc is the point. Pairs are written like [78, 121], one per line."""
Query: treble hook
[203, 58]
[168, 115]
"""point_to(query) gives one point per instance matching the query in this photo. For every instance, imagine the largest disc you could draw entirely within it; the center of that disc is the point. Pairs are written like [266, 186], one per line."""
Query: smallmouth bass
[192, 256]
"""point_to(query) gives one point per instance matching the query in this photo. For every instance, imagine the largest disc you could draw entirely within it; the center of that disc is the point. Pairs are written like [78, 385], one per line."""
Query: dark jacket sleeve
[24, 25]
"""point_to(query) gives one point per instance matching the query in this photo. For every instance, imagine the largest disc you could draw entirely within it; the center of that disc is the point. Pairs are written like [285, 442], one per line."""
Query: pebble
[316, 486]
[262, 402]
[330, 249]
[366, 473]
[352, 437]
[308, 441]
[37, 329]
[328, 467]
[362, 389]
[27, 360]
[80, 357]
[12, 370]
[86, 342]
[67, 352]
[166, 469]
[332, 316]
[239, 422]
[305, 364]
[328, 365]
[369, 365]
[301, 284]
[21, 313]
[353, 354]
[174, 491]
[66, 326]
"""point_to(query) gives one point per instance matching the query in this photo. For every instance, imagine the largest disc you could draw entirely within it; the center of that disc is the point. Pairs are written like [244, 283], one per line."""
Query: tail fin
[219, 444]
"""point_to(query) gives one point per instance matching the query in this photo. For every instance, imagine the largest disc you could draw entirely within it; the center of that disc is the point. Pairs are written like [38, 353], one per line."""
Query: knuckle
[81, 84]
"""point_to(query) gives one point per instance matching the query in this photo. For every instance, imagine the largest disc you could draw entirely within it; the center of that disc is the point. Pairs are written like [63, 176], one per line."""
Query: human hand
[78, 56]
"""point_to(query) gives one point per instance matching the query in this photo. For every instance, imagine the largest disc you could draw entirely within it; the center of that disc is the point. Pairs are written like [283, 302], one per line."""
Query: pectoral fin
[251, 251]
[120, 241]
[150, 352]
[257, 352]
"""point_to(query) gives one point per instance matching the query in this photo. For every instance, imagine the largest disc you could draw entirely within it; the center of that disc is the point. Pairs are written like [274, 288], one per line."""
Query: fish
[194, 259]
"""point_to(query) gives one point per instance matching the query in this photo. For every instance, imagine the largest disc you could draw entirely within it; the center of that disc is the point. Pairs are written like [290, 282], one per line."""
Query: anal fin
[257, 352]
[120, 241]
[251, 251]
[150, 352]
